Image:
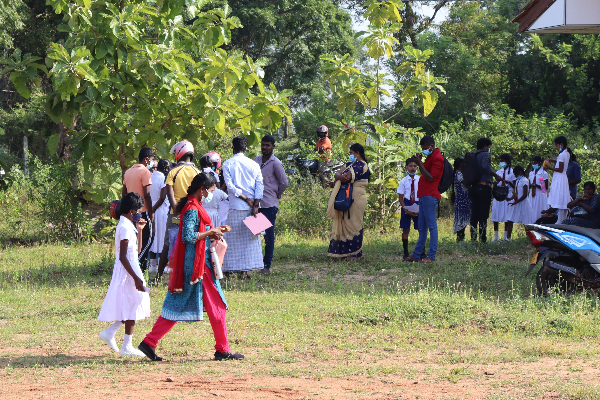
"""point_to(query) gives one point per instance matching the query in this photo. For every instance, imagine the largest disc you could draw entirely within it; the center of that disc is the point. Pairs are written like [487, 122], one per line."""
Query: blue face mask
[412, 173]
[208, 198]
[489, 151]
[520, 177]
[352, 158]
[151, 165]
[503, 165]
[427, 152]
[136, 217]
[535, 167]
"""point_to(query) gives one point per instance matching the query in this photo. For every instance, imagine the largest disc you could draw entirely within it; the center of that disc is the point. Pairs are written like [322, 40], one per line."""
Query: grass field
[467, 326]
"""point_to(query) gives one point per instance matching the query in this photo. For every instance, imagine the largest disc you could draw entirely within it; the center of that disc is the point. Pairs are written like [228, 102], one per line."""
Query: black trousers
[147, 239]
[481, 201]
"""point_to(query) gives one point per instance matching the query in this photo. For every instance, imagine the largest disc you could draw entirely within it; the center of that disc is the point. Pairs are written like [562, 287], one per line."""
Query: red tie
[412, 190]
[503, 176]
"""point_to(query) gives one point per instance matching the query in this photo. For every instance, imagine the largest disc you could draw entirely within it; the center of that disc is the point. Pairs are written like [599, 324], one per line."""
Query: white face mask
[150, 165]
[208, 198]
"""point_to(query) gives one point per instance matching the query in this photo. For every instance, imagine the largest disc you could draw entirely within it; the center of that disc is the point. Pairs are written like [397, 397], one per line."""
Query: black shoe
[228, 356]
[149, 352]
[405, 258]
[266, 271]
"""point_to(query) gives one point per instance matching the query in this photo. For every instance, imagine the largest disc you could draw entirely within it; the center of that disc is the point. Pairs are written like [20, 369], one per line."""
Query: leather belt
[484, 183]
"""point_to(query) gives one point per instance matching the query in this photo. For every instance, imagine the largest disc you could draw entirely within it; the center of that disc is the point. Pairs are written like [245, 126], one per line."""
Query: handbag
[578, 211]
[500, 193]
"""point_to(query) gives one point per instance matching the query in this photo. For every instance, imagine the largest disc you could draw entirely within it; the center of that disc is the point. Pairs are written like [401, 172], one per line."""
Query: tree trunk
[122, 161]
[25, 156]
[286, 127]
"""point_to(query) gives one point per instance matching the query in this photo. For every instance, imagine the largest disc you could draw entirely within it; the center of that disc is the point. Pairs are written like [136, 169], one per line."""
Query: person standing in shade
[275, 182]
[245, 188]
[462, 202]
[177, 183]
[160, 208]
[574, 175]
[481, 192]
[138, 179]
[559, 195]
[429, 197]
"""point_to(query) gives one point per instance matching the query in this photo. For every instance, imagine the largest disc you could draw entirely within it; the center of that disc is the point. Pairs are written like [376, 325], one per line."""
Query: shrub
[303, 209]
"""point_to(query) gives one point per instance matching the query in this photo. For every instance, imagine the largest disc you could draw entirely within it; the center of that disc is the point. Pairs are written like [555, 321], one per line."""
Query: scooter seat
[593, 234]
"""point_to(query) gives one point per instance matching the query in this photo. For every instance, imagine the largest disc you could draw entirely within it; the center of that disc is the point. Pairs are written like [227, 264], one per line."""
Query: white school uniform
[539, 203]
[521, 212]
[500, 208]
[405, 185]
[223, 210]
[212, 208]
[123, 301]
[559, 195]
[160, 216]
[213, 173]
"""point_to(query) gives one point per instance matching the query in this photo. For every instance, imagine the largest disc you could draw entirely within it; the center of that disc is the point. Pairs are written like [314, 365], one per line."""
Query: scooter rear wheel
[547, 283]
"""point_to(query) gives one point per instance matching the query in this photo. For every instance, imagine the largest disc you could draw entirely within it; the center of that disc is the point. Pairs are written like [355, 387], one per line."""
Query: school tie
[503, 176]
[412, 190]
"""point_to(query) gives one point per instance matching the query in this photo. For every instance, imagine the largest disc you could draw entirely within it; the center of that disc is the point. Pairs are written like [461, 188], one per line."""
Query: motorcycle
[310, 167]
[569, 255]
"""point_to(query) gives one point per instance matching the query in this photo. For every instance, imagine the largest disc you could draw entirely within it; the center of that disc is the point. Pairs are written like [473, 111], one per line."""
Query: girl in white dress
[160, 205]
[500, 208]
[559, 190]
[126, 300]
[538, 200]
[519, 209]
[212, 207]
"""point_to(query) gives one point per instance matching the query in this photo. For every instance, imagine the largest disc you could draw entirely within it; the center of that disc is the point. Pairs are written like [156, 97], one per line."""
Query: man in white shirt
[244, 182]
[407, 196]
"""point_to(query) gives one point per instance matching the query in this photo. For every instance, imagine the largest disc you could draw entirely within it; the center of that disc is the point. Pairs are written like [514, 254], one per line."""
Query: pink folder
[257, 224]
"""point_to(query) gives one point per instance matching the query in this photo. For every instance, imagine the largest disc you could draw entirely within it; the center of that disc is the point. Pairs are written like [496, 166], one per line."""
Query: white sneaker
[110, 341]
[131, 351]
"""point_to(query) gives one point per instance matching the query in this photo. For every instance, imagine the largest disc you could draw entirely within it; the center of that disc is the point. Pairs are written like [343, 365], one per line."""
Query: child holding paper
[407, 196]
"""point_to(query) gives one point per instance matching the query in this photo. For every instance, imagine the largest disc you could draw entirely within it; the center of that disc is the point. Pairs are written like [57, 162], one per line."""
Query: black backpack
[470, 169]
[447, 177]
[343, 200]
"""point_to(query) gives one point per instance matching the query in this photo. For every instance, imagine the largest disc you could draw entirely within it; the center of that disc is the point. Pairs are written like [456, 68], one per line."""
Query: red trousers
[215, 308]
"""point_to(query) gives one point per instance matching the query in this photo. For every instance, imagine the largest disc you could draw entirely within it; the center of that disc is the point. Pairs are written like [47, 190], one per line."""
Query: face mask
[352, 158]
[214, 168]
[151, 165]
[136, 217]
[502, 165]
[560, 150]
[412, 173]
[427, 152]
[520, 177]
[208, 198]
[489, 151]
[535, 167]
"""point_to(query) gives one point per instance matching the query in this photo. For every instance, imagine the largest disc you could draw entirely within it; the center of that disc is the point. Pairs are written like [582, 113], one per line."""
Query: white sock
[111, 330]
[127, 340]
[505, 235]
[496, 235]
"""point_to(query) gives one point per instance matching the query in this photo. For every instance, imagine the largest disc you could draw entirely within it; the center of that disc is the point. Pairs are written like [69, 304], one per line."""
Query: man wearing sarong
[244, 182]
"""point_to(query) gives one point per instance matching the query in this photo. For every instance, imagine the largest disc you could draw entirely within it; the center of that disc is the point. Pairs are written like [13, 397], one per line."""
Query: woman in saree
[347, 231]
[193, 286]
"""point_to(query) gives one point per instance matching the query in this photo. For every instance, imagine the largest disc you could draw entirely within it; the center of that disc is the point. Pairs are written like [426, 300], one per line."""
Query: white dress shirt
[242, 176]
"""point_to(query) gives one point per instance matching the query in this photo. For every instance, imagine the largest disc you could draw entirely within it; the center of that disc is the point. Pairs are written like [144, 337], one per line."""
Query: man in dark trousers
[275, 182]
[481, 192]
[429, 197]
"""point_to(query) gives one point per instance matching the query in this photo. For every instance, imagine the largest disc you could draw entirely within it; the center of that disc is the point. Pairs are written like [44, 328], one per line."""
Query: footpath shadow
[59, 360]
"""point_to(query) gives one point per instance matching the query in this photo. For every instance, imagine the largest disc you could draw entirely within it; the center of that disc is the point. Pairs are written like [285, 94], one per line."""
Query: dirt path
[53, 374]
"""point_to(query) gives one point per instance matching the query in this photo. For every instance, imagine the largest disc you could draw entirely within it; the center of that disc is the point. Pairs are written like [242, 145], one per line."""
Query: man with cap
[138, 179]
[324, 148]
[177, 183]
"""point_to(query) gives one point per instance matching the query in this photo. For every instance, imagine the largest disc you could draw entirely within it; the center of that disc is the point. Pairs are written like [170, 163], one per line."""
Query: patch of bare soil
[36, 373]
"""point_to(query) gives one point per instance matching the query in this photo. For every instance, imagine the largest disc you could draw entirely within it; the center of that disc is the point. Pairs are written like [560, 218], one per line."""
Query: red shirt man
[434, 164]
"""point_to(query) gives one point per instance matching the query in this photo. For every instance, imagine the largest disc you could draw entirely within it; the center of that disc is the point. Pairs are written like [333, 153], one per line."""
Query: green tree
[137, 74]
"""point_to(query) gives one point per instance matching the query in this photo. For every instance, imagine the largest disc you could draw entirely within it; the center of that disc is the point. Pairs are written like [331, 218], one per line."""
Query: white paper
[412, 208]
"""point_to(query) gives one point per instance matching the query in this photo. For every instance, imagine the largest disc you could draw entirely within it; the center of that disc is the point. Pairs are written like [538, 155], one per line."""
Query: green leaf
[53, 143]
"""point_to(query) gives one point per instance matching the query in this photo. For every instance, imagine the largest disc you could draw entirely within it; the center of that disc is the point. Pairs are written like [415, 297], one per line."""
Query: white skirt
[160, 223]
[521, 213]
[123, 301]
[499, 211]
[538, 203]
[559, 195]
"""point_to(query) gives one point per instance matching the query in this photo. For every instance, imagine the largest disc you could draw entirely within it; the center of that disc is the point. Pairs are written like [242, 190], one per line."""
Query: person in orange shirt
[324, 148]
[138, 179]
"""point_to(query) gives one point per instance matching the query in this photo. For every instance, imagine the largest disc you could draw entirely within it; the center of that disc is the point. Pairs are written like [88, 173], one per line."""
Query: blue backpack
[343, 200]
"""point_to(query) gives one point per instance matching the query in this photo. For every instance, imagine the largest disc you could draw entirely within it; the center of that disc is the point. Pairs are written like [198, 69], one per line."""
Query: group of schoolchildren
[527, 197]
